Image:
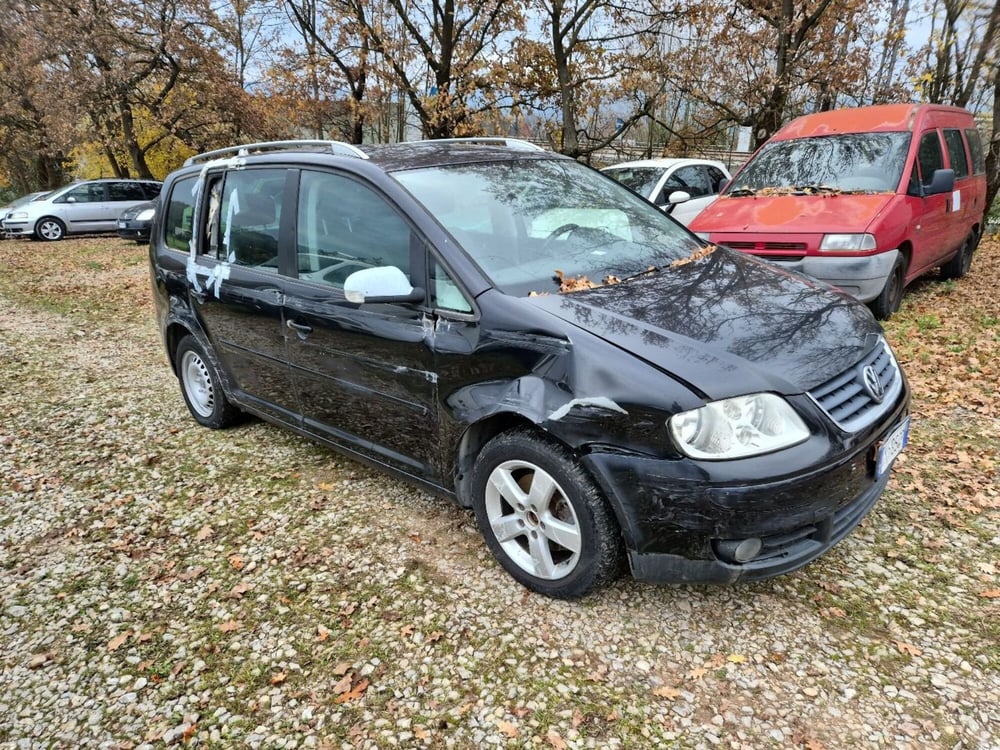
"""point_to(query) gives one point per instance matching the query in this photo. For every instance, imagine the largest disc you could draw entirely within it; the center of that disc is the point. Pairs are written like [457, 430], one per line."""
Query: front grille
[765, 247]
[847, 400]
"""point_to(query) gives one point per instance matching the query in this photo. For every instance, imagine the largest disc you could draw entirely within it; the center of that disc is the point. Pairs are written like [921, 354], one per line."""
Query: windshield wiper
[740, 191]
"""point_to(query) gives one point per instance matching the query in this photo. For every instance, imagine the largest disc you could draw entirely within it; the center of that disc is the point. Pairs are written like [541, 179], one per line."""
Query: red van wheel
[891, 296]
[961, 262]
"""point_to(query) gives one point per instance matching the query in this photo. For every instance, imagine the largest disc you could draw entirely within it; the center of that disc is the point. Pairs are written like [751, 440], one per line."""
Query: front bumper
[134, 230]
[676, 523]
[863, 277]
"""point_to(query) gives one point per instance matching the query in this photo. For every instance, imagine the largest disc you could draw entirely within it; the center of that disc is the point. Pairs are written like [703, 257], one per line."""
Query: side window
[694, 180]
[151, 189]
[718, 178]
[929, 157]
[89, 193]
[975, 151]
[343, 226]
[248, 217]
[956, 153]
[126, 191]
[445, 294]
[179, 215]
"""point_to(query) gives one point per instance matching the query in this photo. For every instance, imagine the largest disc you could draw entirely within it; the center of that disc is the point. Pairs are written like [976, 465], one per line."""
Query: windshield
[530, 223]
[640, 179]
[854, 162]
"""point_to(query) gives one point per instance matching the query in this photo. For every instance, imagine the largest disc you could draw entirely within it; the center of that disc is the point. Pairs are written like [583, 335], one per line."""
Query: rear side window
[152, 189]
[126, 191]
[929, 157]
[179, 215]
[249, 216]
[976, 151]
[956, 153]
[693, 179]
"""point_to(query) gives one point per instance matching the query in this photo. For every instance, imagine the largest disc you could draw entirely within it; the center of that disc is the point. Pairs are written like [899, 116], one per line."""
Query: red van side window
[929, 157]
[976, 151]
[956, 153]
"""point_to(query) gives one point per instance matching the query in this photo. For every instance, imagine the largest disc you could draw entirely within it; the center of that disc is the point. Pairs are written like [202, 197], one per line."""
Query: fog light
[738, 550]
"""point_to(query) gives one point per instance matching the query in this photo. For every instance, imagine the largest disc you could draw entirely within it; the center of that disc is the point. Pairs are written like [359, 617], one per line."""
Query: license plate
[891, 447]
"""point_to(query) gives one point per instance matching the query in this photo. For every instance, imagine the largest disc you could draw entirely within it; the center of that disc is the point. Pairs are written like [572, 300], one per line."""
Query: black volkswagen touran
[515, 330]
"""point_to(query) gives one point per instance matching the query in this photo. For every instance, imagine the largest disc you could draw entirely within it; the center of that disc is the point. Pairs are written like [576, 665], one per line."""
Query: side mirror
[942, 181]
[675, 198]
[71, 199]
[385, 284]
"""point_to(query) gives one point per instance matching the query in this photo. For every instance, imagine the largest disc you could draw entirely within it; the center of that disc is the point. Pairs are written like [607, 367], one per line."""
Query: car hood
[726, 324]
[788, 214]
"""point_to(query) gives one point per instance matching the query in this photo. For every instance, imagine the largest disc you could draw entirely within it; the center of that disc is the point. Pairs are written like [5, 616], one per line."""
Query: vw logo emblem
[872, 384]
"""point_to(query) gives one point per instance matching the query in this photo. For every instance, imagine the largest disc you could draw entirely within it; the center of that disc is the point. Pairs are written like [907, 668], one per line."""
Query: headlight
[17, 216]
[145, 215]
[847, 242]
[738, 427]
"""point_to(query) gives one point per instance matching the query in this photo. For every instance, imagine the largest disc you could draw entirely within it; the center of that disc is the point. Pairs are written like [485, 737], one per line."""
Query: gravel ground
[162, 584]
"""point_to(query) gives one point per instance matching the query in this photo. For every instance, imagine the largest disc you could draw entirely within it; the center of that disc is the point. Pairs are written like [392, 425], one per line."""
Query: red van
[865, 199]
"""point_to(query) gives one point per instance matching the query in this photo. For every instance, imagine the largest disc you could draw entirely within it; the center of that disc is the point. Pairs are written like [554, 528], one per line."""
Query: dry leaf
[356, 692]
[204, 533]
[344, 684]
[507, 728]
[697, 673]
[240, 589]
[341, 668]
[229, 626]
[906, 648]
[555, 740]
[991, 594]
[237, 562]
[322, 633]
[115, 643]
[277, 679]
[736, 658]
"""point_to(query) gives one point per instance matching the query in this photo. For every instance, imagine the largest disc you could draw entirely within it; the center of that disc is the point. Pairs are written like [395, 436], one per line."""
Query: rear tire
[543, 517]
[961, 263]
[49, 229]
[201, 386]
[891, 296]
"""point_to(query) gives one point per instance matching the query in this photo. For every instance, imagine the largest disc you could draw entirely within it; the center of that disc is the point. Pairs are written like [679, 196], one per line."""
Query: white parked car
[681, 187]
[89, 206]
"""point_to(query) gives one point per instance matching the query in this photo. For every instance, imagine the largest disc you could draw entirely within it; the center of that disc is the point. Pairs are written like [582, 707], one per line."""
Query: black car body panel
[417, 390]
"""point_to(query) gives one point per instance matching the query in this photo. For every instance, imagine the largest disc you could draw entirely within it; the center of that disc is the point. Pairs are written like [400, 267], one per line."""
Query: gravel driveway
[165, 584]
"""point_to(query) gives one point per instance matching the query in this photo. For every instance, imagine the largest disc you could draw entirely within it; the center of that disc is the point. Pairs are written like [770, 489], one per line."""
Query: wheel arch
[48, 217]
[476, 436]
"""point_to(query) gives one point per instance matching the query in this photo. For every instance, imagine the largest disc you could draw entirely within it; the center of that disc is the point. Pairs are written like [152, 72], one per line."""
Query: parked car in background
[135, 222]
[16, 203]
[87, 206]
[509, 328]
[681, 187]
[865, 199]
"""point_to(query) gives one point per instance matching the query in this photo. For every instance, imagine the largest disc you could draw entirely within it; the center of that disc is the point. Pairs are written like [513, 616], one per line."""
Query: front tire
[200, 386]
[49, 229]
[891, 296]
[543, 517]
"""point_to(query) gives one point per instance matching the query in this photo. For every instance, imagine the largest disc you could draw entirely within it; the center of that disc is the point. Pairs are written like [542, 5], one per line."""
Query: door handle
[300, 328]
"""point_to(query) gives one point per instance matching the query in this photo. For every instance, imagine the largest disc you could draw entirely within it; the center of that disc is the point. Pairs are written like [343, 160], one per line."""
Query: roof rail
[511, 143]
[339, 148]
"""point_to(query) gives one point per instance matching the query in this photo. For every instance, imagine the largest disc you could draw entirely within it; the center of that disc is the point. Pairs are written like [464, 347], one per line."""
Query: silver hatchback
[88, 206]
